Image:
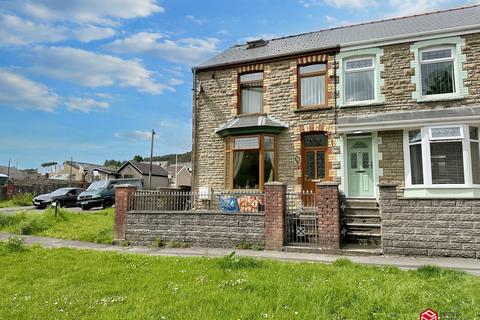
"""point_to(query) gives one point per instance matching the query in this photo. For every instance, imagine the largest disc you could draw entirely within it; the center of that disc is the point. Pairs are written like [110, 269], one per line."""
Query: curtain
[447, 162]
[359, 86]
[312, 91]
[237, 162]
[252, 99]
[416, 165]
[269, 166]
[475, 156]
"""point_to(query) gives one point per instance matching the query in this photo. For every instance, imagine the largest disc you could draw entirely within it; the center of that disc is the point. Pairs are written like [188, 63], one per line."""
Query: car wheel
[85, 208]
[107, 203]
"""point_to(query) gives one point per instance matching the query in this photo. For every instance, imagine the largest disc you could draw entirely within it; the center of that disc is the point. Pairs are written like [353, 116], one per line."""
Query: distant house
[13, 173]
[180, 175]
[84, 171]
[140, 170]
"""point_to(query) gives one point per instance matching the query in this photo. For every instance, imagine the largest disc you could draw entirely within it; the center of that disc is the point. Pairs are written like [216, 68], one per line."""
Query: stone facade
[392, 158]
[210, 230]
[433, 227]
[218, 104]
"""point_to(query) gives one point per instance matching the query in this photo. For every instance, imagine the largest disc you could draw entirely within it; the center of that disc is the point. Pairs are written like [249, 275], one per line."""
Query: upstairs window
[251, 93]
[312, 85]
[437, 71]
[359, 80]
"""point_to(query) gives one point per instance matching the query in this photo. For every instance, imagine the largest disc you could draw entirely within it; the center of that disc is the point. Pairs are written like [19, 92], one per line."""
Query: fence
[301, 221]
[178, 201]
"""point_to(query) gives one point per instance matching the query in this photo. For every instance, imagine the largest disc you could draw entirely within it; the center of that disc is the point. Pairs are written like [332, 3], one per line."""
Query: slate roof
[404, 27]
[259, 123]
[144, 168]
[90, 166]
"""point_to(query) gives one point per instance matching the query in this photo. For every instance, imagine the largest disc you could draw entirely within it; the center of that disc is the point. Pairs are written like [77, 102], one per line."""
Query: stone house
[390, 110]
[83, 171]
[140, 170]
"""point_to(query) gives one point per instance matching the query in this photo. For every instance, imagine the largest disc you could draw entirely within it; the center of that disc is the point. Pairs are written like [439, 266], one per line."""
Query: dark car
[102, 193]
[65, 197]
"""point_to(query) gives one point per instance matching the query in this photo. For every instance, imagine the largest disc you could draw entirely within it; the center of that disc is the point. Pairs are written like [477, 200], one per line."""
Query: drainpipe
[335, 89]
[194, 112]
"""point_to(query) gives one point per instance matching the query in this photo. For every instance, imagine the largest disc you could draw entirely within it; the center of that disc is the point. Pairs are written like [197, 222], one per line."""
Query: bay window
[249, 161]
[359, 80]
[442, 156]
[437, 71]
[251, 93]
[312, 85]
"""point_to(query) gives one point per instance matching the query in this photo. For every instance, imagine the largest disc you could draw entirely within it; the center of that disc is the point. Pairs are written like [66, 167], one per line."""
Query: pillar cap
[275, 183]
[328, 183]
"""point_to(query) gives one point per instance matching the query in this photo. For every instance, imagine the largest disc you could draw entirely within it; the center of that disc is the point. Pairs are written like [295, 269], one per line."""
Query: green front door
[360, 167]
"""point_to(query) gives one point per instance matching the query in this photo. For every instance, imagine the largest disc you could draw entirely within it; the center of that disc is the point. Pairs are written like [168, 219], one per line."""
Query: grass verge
[24, 199]
[80, 284]
[94, 226]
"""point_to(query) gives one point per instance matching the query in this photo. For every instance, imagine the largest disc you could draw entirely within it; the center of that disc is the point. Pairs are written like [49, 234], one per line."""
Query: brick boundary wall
[429, 227]
[328, 211]
[197, 229]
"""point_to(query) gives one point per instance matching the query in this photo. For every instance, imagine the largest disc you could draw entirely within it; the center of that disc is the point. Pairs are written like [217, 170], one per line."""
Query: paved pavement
[468, 265]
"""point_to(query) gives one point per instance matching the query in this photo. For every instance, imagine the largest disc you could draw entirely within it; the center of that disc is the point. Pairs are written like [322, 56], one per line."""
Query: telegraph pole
[151, 159]
[70, 175]
[8, 170]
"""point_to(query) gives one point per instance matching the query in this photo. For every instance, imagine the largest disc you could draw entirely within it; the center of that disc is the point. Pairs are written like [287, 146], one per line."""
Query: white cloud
[18, 31]
[87, 11]
[85, 104]
[21, 93]
[195, 19]
[95, 70]
[91, 33]
[352, 4]
[409, 7]
[175, 82]
[168, 123]
[188, 51]
[134, 135]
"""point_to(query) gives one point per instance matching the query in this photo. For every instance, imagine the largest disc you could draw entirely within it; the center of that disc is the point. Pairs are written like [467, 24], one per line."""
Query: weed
[234, 262]
[177, 244]
[343, 262]
[15, 244]
[158, 243]
[124, 243]
[244, 245]
[22, 199]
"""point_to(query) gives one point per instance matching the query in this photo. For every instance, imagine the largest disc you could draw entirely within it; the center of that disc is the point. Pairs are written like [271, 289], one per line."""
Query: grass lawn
[92, 226]
[71, 284]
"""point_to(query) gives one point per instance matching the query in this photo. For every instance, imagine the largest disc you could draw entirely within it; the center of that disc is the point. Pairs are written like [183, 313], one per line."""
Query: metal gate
[301, 222]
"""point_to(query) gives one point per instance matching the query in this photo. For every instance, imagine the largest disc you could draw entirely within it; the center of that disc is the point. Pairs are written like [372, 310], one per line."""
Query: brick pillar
[122, 198]
[10, 190]
[328, 211]
[275, 203]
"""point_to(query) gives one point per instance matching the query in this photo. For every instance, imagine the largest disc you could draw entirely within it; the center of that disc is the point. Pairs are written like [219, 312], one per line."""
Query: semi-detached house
[388, 109]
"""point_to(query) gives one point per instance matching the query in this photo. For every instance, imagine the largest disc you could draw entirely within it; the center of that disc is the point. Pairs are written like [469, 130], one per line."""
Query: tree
[137, 158]
[49, 164]
[113, 163]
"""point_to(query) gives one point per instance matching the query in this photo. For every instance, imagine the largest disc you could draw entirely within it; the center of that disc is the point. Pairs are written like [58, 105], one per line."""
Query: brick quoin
[122, 198]
[275, 202]
[328, 211]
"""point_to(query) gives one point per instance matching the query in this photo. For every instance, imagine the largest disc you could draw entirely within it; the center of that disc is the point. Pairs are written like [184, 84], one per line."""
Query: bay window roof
[250, 124]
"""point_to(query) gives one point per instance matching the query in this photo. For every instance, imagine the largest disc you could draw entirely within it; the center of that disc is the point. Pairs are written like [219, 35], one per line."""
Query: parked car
[102, 193]
[65, 197]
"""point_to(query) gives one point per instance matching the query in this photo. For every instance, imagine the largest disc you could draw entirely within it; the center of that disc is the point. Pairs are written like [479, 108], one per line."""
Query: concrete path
[468, 265]
[16, 209]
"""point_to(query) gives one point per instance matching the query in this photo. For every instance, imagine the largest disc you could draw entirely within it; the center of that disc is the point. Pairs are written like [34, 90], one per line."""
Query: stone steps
[362, 222]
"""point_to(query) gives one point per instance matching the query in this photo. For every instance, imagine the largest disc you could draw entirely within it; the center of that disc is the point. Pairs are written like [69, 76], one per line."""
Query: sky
[89, 79]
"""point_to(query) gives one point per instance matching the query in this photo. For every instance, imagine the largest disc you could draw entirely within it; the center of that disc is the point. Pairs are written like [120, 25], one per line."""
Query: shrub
[234, 262]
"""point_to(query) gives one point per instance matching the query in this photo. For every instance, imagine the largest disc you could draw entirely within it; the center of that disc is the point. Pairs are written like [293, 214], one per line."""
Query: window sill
[442, 192]
[315, 108]
[441, 98]
[363, 104]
